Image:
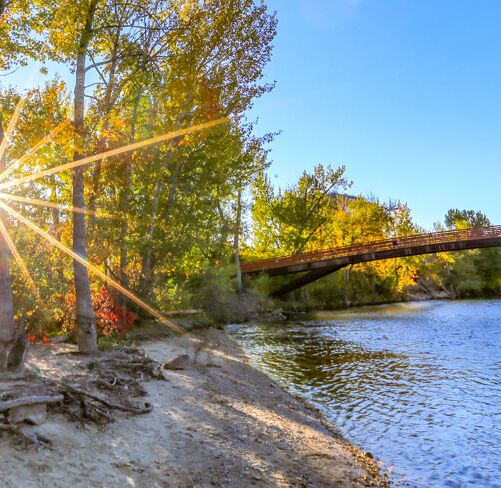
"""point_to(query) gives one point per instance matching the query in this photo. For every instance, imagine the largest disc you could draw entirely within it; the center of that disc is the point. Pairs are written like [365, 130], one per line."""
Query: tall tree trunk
[147, 263]
[236, 241]
[124, 209]
[7, 324]
[87, 337]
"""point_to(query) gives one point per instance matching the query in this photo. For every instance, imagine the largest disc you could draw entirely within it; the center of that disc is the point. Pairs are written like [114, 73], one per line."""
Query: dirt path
[217, 423]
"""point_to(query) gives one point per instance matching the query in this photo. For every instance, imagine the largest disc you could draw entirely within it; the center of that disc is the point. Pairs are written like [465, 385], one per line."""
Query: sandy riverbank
[218, 422]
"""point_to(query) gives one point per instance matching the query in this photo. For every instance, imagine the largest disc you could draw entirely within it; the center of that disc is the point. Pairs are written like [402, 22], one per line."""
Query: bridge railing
[374, 246]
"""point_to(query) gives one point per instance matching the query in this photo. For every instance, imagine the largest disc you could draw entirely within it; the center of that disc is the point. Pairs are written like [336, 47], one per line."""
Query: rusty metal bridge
[317, 264]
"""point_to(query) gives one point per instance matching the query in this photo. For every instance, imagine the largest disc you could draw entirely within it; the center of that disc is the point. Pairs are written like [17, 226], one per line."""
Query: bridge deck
[338, 257]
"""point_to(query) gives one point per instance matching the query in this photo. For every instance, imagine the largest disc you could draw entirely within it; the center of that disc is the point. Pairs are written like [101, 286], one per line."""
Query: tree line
[150, 218]
[172, 219]
[317, 213]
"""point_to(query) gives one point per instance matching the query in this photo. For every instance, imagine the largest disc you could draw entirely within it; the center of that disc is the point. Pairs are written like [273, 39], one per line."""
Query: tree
[465, 219]
[19, 21]
[8, 336]
[213, 70]
[141, 69]
[87, 336]
[265, 225]
[81, 31]
[16, 44]
[299, 213]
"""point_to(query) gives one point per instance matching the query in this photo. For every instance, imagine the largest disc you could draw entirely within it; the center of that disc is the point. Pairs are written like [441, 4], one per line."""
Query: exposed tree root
[124, 407]
[112, 383]
[30, 400]
[128, 361]
[28, 438]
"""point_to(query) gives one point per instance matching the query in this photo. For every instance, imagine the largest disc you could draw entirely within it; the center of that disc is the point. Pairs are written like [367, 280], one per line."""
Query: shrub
[214, 291]
[111, 318]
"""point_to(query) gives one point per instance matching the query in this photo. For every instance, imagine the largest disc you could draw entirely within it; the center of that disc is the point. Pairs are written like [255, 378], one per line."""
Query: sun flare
[92, 268]
[114, 152]
[74, 164]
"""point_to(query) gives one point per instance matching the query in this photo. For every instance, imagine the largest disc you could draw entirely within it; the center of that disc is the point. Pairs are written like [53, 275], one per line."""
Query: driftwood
[29, 400]
[111, 383]
[148, 407]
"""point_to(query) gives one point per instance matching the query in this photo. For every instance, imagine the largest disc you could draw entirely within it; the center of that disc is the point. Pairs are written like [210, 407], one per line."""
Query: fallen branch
[30, 400]
[148, 407]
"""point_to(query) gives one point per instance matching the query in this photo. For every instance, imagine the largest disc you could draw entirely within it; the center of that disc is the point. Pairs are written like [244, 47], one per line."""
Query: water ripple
[416, 384]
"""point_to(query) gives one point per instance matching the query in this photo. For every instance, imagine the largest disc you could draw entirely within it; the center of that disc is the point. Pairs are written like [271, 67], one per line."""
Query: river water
[418, 385]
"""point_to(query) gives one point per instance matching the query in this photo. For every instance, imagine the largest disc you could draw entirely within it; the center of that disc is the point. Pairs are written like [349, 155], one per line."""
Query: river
[417, 384]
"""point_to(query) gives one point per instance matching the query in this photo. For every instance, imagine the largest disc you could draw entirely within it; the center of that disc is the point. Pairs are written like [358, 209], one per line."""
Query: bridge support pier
[309, 277]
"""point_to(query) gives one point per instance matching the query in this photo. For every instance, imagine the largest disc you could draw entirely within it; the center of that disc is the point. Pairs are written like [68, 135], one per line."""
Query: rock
[179, 362]
[33, 414]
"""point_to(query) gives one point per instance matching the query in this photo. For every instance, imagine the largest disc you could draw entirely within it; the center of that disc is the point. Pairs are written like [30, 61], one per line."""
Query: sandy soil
[217, 423]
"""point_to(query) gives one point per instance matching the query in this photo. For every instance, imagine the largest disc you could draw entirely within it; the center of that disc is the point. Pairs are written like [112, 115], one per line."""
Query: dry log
[29, 400]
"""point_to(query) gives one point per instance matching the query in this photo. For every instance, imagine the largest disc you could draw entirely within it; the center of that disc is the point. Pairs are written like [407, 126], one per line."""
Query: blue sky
[405, 93]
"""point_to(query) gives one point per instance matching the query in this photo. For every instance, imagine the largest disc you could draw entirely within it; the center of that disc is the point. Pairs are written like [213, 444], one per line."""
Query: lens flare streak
[114, 152]
[93, 268]
[22, 265]
[11, 127]
[17, 162]
[43, 203]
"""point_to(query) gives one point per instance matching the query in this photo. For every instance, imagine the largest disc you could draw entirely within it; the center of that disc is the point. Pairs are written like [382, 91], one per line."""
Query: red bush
[110, 316]
[42, 337]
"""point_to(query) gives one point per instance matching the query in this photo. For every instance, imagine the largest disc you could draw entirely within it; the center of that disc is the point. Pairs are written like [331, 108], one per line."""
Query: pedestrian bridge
[316, 264]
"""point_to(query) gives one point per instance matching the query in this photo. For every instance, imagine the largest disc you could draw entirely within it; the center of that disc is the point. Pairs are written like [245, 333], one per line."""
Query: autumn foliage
[111, 318]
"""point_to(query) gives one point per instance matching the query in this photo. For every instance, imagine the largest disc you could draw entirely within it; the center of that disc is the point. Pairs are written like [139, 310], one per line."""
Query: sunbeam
[11, 127]
[43, 203]
[22, 265]
[93, 268]
[17, 162]
[114, 152]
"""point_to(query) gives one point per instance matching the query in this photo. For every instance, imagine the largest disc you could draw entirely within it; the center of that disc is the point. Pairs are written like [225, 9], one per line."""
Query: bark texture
[87, 337]
[236, 242]
[12, 342]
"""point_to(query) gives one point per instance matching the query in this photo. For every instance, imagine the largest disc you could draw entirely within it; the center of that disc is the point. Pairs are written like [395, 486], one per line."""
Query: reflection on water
[418, 385]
